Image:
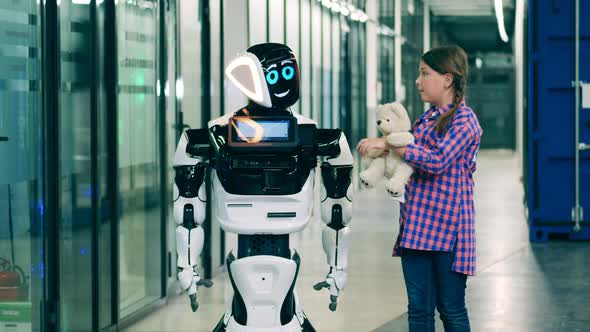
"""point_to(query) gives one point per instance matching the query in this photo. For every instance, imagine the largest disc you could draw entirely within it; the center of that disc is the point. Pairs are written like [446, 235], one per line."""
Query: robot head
[267, 74]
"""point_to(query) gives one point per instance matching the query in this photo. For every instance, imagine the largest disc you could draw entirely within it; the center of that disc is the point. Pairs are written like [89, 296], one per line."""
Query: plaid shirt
[439, 213]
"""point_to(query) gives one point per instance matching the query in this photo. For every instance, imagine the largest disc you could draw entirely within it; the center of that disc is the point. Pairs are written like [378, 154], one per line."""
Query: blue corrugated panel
[551, 118]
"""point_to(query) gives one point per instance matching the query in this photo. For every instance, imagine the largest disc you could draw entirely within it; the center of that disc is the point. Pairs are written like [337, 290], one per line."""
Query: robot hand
[190, 282]
[335, 281]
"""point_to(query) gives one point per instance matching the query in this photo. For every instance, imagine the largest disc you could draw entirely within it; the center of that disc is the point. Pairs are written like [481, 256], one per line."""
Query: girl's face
[431, 85]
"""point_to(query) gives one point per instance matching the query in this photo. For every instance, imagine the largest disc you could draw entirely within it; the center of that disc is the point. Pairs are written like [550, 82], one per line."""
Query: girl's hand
[371, 143]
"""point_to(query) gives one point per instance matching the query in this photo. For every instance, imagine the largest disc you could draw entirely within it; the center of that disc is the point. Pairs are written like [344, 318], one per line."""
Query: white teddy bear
[393, 121]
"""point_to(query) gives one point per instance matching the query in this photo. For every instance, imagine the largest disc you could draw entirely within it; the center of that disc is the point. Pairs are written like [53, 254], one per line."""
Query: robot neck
[254, 109]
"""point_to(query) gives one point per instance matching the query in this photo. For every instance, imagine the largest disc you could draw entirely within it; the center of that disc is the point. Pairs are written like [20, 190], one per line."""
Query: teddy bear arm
[375, 153]
[400, 139]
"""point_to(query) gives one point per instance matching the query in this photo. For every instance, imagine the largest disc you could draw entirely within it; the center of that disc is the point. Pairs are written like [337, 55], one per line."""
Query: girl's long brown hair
[449, 60]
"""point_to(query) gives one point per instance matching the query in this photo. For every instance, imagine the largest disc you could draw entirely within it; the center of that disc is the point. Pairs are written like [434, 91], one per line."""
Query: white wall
[400, 90]
[519, 76]
[257, 14]
[235, 42]
[190, 62]
[276, 21]
[372, 60]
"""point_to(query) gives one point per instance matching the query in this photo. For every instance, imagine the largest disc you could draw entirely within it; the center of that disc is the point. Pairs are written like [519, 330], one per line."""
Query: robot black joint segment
[198, 143]
[328, 141]
[336, 179]
[188, 218]
[336, 222]
[189, 179]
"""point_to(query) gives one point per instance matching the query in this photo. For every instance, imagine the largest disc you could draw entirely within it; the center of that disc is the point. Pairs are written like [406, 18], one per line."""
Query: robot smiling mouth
[281, 95]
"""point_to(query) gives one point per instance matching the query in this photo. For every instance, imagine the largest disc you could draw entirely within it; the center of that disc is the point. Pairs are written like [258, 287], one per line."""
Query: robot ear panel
[246, 74]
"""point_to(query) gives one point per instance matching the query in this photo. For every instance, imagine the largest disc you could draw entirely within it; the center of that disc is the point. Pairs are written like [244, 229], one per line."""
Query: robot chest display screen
[259, 132]
[262, 131]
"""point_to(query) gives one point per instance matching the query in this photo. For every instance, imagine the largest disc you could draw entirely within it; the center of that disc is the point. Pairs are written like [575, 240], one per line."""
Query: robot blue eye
[272, 77]
[288, 73]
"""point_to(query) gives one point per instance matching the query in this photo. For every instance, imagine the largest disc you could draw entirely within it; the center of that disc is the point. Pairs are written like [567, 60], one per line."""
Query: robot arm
[189, 213]
[336, 209]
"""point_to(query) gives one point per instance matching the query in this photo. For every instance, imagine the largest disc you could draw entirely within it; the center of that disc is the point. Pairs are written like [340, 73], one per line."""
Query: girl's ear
[448, 80]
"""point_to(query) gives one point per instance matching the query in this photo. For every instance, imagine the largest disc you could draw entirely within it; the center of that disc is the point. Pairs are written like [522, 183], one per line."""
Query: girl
[436, 240]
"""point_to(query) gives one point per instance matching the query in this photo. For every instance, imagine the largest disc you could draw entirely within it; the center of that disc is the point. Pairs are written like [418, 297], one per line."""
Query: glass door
[21, 181]
[138, 162]
[75, 165]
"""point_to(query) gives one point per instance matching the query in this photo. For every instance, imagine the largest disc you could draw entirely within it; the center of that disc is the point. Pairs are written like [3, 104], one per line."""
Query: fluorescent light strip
[179, 87]
[499, 7]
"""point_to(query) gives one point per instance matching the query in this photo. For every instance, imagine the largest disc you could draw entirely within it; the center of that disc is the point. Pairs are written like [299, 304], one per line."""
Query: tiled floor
[520, 287]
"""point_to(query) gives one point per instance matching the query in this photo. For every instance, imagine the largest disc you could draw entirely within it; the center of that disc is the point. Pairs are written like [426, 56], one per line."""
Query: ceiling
[466, 7]
[472, 24]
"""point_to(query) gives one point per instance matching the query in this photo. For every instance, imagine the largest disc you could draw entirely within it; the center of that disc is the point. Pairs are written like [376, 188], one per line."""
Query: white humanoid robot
[262, 160]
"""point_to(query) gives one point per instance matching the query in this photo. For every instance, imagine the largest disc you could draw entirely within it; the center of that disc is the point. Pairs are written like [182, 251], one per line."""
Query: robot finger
[194, 303]
[333, 302]
[205, 282]
[320, 285]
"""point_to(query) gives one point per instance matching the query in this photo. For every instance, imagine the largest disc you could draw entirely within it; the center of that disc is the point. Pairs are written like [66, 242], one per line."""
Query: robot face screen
[282, 79]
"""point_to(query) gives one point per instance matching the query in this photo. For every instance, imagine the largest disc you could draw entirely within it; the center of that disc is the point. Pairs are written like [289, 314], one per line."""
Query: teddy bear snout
[378, 122]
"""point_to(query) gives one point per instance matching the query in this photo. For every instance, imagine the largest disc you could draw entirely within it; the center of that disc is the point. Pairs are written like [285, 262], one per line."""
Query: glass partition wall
[138, 155]
[22, 250]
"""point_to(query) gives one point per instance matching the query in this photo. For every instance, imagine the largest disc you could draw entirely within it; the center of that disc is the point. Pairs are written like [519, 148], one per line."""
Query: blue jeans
[430, 282]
